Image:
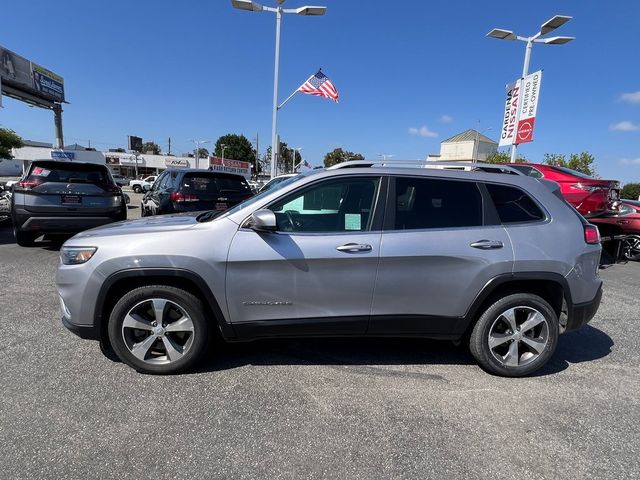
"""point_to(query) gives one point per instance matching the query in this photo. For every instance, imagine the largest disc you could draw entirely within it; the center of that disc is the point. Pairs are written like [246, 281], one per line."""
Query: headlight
[76, 255]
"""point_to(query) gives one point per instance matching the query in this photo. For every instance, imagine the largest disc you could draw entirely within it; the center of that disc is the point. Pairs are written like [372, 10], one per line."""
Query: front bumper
[581, 313]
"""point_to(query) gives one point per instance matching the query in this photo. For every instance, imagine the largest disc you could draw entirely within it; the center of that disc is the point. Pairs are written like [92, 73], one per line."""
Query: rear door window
[214, 185]
[513, 205]
[436, 203]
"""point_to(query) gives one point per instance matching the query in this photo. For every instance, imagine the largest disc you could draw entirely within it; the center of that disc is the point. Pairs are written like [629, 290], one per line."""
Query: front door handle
[487, 244]
[354, 247]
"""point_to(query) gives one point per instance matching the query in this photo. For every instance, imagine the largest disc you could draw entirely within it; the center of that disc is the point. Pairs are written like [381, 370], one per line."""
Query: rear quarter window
[514, 205]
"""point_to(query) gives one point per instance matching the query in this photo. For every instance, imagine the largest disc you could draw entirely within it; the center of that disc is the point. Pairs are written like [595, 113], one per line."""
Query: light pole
[256, 7]
[293, 163]
[223, 146]
[198, 143]
[476, 145]
[548, 26]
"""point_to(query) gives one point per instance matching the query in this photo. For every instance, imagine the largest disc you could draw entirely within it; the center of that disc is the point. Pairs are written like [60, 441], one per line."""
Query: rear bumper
[581, 313]
[88, 332]
[52, 223]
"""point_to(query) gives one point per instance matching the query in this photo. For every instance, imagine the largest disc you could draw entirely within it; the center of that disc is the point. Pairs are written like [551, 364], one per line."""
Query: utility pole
[169, 145]
[257, 152]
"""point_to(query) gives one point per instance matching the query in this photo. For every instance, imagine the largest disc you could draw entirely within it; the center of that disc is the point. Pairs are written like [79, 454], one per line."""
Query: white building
[467, 146]
[127, 164]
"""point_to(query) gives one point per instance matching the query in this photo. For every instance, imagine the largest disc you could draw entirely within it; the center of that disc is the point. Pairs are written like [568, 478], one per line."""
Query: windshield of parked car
[250, 201]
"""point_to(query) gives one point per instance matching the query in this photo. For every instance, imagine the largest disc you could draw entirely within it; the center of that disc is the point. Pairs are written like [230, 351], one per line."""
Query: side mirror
[146, 188]
[263, 221]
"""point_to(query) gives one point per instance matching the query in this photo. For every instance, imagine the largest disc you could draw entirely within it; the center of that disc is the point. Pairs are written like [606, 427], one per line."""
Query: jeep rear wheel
[159, 329]
[515, 336]
[137, 188]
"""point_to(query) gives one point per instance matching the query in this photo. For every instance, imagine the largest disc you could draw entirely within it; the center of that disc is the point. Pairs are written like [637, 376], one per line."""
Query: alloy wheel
[518, 336]
[158, 331]
[631, 247]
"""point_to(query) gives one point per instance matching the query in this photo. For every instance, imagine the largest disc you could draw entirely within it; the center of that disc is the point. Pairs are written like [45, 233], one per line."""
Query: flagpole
[294, 92]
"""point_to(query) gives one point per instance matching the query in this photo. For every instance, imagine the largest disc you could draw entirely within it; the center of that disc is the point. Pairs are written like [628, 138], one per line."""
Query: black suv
[64, 197]
[180, 190]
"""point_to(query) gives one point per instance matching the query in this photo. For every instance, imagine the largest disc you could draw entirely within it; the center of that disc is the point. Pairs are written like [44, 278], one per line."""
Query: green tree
[151, 147]
[285, 160]
[630, 191]
[504, 157]
[8, 140]
[236, 147]
[582, 162]
[203, 152]
[338, 155]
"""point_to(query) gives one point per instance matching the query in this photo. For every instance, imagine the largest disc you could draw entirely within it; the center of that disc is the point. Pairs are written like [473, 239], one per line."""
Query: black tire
[137, 188]
[528, 359]
[190, 306]
[24, 239]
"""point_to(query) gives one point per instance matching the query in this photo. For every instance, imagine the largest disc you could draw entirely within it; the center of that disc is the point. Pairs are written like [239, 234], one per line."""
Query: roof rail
[464, 166]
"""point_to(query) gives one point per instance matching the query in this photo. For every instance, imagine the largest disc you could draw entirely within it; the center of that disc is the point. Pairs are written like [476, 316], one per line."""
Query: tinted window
[332, 206]
[530, 171]
[571, 172]
[433, 203]
[513, 205]
[69, 173]
[214, 184]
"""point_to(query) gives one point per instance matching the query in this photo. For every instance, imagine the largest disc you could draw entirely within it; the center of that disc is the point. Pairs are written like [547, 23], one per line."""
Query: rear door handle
[354, 247]
[487, 244]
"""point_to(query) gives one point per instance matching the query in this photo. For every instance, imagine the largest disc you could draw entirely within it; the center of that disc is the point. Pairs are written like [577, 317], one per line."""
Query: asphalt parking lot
[343, 408]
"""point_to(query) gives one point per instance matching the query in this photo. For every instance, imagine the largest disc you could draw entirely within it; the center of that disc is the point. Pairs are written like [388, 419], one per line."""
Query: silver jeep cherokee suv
[496, 259]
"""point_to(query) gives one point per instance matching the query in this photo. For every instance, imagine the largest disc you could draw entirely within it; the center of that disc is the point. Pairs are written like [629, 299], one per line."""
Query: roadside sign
[230, 166]
[510, 118]
[62, 155]
[529, 94]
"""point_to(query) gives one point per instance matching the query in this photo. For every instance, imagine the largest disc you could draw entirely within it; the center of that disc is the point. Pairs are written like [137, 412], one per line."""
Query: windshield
[249, 201]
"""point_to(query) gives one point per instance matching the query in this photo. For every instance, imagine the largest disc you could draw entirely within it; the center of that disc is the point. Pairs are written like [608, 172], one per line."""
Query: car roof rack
[462, 166]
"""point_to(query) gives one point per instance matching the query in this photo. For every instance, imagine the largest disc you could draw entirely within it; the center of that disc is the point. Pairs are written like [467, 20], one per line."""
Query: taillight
[27, 184]
[591, 234]
[180, 197]
[587, 188]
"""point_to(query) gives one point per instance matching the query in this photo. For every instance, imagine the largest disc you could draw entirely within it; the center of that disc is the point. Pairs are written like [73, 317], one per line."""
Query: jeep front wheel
[159, 329]
[515, 336]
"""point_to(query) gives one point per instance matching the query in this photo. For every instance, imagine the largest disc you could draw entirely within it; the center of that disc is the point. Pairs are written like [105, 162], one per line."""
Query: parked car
[627, 223]
[592, 197]
[144, 184]
[377, 251]
[120, 180]
[64, 197]
[189, 190]
[276, 180]
[5, 203]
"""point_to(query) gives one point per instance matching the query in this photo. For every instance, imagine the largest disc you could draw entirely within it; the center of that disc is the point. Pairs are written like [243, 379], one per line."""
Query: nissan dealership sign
[521, 107]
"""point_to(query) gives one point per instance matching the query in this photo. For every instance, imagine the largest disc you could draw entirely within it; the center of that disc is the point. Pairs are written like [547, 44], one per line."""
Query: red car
[592, 197]
[627, 222]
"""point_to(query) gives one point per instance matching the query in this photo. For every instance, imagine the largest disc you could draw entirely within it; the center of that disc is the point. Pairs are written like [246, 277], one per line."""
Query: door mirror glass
[263, 221]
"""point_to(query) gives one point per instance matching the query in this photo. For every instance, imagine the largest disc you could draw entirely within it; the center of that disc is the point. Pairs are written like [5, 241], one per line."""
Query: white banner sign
[510, 119]
[529, 94]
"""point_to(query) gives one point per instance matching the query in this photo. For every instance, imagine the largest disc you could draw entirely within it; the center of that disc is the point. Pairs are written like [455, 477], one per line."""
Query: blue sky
[200, 69]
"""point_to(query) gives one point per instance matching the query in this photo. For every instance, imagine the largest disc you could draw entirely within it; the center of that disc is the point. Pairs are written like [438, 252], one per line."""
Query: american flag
[320, 85]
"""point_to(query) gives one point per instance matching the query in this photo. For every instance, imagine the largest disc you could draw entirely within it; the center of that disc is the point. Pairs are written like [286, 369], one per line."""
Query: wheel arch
[550, 286]
[125, 280]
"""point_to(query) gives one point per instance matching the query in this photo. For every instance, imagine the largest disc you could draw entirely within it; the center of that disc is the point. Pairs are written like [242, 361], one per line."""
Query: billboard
[134, 143]
[530, 92]
[510, 118]
[23, 75]
[230, 166]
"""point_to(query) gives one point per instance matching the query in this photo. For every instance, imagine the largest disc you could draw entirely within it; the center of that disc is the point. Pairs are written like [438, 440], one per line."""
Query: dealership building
[127, 164]
[467, 146]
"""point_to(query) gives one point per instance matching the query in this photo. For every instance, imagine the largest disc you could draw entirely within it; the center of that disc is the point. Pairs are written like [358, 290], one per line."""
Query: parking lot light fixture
[197, 156]
[307, 10]
[547, 27]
